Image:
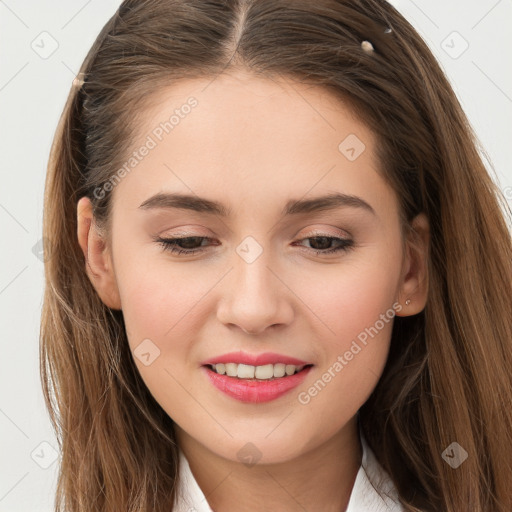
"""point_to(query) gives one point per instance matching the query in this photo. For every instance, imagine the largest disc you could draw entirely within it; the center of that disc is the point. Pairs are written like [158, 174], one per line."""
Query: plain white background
[42, 45]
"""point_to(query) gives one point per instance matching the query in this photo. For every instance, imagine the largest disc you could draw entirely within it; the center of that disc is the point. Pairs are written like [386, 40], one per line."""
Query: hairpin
[367, 46]
[79, 80]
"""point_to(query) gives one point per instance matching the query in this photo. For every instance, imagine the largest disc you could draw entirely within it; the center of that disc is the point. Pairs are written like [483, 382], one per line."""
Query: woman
[281, 273]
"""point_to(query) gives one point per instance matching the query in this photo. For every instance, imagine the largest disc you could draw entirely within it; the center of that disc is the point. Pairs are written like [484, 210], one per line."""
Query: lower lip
[255, 391]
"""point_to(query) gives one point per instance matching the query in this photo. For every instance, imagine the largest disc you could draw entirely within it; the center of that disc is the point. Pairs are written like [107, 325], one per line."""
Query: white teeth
[264, 372]
[245, 371]
[231, 369]
[279, 370]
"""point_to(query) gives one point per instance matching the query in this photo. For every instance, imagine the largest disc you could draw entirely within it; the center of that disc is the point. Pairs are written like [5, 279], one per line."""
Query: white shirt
[363, 498]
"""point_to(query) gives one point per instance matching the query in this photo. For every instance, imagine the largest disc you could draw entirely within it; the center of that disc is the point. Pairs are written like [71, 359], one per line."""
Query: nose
[255, 297]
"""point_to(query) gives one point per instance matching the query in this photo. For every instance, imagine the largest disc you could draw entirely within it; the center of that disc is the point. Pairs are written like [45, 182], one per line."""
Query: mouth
[255, 384]
[263, 373]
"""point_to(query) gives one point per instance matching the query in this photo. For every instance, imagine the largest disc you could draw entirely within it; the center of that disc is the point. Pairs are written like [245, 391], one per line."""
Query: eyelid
[338, 233]
[326, 232]
[183, 233]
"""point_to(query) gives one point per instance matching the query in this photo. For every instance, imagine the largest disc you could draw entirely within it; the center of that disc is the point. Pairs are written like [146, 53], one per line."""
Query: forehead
[239, 107]
[228, 99]
[253, 139]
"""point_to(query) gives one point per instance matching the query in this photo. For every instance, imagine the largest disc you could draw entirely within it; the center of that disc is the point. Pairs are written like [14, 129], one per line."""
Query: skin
[253, 144]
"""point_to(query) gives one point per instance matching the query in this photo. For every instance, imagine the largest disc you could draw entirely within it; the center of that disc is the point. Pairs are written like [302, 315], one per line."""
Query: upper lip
[255, 359]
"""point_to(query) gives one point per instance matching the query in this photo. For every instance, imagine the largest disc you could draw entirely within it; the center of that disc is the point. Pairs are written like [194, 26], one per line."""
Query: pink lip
[255, 391]
[254, 359]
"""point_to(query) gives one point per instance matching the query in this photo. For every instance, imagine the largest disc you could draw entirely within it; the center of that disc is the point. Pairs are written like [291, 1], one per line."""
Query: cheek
[158, 295]
[352, 296]
[159, 306]
[166, 303]
[357, 307]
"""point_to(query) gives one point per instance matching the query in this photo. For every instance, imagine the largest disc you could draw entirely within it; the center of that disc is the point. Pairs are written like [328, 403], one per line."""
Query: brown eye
[184, 245]
[323, 244]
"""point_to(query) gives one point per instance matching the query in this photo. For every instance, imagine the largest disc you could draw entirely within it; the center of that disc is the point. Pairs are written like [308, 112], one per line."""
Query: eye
[193, 244]
[321, 242]
[173, 244]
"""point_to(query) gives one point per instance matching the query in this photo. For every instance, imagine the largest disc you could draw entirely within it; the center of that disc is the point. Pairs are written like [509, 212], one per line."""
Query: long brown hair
[448, 377]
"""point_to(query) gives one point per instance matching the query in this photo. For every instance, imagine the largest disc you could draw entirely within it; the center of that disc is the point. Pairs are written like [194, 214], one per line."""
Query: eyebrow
[292, 207]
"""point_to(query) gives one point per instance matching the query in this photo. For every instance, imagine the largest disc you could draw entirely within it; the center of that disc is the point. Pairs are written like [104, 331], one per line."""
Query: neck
[319, 479]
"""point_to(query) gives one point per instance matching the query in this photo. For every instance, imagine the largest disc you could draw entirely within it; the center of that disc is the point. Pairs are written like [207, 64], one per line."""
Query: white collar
[363, 498]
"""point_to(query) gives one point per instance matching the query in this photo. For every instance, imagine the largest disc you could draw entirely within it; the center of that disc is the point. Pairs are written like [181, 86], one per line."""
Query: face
[319, 283]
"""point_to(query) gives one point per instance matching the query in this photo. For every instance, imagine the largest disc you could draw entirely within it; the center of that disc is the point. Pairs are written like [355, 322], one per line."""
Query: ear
[414, 281]
[98, 260]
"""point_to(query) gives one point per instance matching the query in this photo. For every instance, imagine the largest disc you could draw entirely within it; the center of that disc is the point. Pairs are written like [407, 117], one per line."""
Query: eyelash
[169, 244]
